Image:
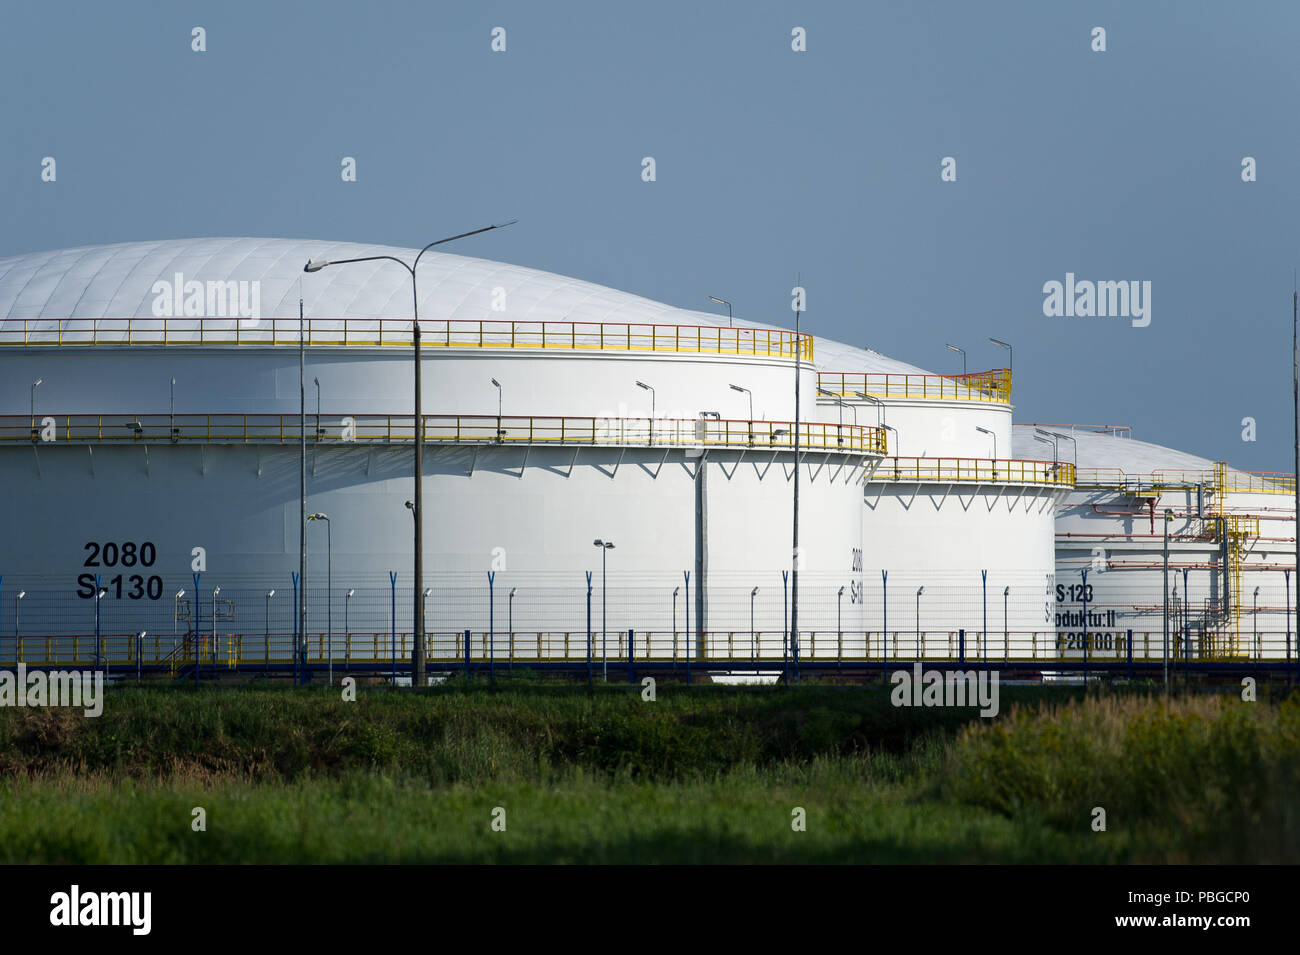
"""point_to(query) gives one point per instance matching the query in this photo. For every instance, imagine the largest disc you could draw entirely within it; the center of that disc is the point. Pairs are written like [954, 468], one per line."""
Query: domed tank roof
[117, 281]
[1106, 450]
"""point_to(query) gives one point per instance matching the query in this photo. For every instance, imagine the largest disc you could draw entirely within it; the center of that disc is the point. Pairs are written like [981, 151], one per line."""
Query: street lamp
[319, 432]
[750, 394]
[417, 649]
[1011, 355]
[17, 633]
[347, 630]
[35, 384]
[1169, 516]
[644, 387]
[839, 621]
[919, 591]
[1255, 621]
[963, 356]
[995, 440]
[714, 298]
[675, 592]
[329, 588]
[216, 592]
[1068, 437]
[510, 623]
[605, 548]
[497, 385]
[174, 433]
[267, 627]
[98, 597]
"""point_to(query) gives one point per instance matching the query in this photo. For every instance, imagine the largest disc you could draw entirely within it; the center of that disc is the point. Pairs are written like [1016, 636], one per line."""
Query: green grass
[710, 775]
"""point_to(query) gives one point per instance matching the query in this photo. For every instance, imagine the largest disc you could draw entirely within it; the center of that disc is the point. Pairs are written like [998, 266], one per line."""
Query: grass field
[706, 775]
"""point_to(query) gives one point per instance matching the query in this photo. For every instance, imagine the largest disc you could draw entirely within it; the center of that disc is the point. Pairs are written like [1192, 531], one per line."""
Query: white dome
[116, 281]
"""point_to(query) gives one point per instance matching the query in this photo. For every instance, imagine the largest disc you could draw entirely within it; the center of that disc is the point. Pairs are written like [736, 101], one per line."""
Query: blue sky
[1117, 165]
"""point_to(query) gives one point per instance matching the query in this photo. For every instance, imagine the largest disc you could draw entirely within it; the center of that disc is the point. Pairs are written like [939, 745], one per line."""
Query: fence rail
[173, 654]
[444, 429]
[992, 386]
[396, 333]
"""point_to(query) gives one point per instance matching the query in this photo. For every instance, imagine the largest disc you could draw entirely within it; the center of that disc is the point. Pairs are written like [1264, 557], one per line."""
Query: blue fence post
[297, 610]
[98, 580]
[467, 639]
[631, 656]
[392, 583]
[961, 647]
[884, 623]
[690, 639]
[785, 626]
[1084, 572]
[492, 629]
[194, 620]
[1129, 655]
[589, 630]
[984, 638]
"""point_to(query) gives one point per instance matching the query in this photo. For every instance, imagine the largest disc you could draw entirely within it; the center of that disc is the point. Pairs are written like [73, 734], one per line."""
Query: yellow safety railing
[444, 429]
[391, 332]
[991, 386]
[974, 471]
[1252, 482]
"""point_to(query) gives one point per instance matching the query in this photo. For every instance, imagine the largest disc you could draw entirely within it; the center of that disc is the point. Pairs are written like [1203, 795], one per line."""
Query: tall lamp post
[17, 633]
[329, 589]
[963, 355]
[1169, 516]
[714, 298]
[266, 649]
[35, 384]
[1011, 355]
[1255, 622]
[417, 648]
[510, 623]
[605, 547]
[750, 395]
[347, 629]
[644, 387]
[675, 592]
[496, 384]
[919, 591]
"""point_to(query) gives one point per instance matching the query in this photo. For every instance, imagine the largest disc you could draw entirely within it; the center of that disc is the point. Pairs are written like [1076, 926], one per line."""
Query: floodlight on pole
[1011, 355]
[963, 356]
[714, 298]
[314, 265]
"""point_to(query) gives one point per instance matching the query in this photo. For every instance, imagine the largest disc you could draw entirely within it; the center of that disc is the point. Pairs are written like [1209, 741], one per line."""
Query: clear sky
[1116, 165]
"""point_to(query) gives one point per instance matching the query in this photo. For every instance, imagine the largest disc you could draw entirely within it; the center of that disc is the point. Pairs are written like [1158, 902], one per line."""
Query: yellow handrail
[991, 386]
[974, 471]
[1251, 482]
[449, 429]
[391, 332]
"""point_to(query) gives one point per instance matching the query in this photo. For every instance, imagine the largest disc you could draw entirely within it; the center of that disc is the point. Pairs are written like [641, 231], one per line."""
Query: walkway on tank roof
[117, 281]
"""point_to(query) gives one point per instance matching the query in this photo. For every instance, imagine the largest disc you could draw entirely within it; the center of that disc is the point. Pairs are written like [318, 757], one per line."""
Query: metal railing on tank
[1225, 479]
[566, 430]
[990, 386]
[974, 471]
[396, 333]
